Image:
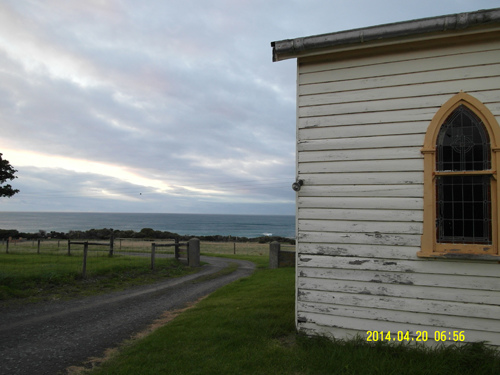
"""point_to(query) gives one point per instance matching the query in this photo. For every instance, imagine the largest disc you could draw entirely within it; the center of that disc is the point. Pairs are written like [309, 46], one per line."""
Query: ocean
[184, 224]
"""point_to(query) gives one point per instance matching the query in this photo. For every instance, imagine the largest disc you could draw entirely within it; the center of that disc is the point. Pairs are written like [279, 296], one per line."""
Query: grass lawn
[33, 277]
[248, 327]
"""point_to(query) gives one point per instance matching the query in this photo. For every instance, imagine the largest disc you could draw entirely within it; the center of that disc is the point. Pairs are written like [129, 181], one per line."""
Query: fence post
[176, 248]
[69, 247]
[38, 247]
[153, 250]
[274, 254]
[111, 245]
[85, 250]
[194, 252]
[7, 246]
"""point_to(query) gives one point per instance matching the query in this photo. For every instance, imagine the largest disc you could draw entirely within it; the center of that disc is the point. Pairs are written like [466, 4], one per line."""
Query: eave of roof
[292, 48]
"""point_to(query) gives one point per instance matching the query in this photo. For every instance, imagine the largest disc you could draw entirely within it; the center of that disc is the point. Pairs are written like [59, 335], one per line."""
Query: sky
[161, 106]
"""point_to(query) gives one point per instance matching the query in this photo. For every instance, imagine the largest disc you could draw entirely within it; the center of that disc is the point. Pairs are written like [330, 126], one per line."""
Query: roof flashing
[292, 48]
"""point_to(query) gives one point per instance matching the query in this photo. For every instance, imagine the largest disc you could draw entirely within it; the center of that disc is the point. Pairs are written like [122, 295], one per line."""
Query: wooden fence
[110, 244]
[186, 251]
[178, 252]
[86, 250]
[8, 241]
[279, 257]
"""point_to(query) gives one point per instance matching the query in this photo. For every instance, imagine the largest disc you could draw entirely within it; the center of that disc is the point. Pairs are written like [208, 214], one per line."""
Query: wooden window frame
[429, 245]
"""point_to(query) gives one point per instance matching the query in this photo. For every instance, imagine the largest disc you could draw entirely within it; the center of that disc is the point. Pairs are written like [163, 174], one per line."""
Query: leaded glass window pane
[464, 209]
[463, 143]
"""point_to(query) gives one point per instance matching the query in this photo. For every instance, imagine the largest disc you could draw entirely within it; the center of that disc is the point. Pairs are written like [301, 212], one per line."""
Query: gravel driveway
[46, 338]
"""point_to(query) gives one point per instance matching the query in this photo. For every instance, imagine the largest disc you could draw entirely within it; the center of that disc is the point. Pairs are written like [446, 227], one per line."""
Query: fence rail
[106, 244]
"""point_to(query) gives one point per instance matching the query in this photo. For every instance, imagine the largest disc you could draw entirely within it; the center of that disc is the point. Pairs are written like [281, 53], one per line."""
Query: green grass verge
[247, 327]
[35, 277]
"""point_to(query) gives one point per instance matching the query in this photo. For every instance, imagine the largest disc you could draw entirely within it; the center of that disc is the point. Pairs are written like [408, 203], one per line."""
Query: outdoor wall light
[297, 185]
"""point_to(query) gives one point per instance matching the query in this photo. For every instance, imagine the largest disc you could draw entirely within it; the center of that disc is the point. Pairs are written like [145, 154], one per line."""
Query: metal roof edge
[292, 48]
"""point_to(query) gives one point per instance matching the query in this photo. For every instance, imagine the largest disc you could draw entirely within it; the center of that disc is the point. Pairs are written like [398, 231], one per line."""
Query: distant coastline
[234, 225]
[144, 234]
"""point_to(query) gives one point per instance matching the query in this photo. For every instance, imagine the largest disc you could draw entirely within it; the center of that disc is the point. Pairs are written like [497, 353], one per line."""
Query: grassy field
[137, 245]
[248, 327]
[33, 272]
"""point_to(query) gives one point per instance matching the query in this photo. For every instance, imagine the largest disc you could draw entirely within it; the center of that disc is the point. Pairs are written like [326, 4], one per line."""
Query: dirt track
[47, 338]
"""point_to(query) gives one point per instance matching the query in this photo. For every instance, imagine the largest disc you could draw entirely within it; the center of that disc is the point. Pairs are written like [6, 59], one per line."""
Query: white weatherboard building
[398, 148]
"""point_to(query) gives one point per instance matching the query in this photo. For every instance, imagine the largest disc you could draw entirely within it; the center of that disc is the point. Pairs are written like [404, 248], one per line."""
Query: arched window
[460, 188]
[463, 177]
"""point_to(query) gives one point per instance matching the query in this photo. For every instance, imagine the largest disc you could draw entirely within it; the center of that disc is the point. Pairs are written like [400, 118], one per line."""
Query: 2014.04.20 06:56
[420, 336]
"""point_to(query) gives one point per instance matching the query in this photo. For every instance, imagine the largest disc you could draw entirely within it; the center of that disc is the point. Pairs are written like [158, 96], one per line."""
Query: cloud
[158, 106]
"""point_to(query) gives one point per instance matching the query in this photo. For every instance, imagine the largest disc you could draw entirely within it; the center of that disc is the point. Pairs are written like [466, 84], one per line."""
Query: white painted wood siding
[361, 125]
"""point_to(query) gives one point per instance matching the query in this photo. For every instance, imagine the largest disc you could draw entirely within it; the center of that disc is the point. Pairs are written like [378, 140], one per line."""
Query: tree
[146, 233]
[6, 173]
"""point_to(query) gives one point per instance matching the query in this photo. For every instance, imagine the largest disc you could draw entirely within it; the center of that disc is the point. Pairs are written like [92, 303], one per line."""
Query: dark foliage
[6, 233]
[6, 173]
[144, 233]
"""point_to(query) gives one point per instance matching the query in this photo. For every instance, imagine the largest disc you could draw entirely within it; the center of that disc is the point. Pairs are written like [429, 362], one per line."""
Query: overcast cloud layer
[162, 106]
